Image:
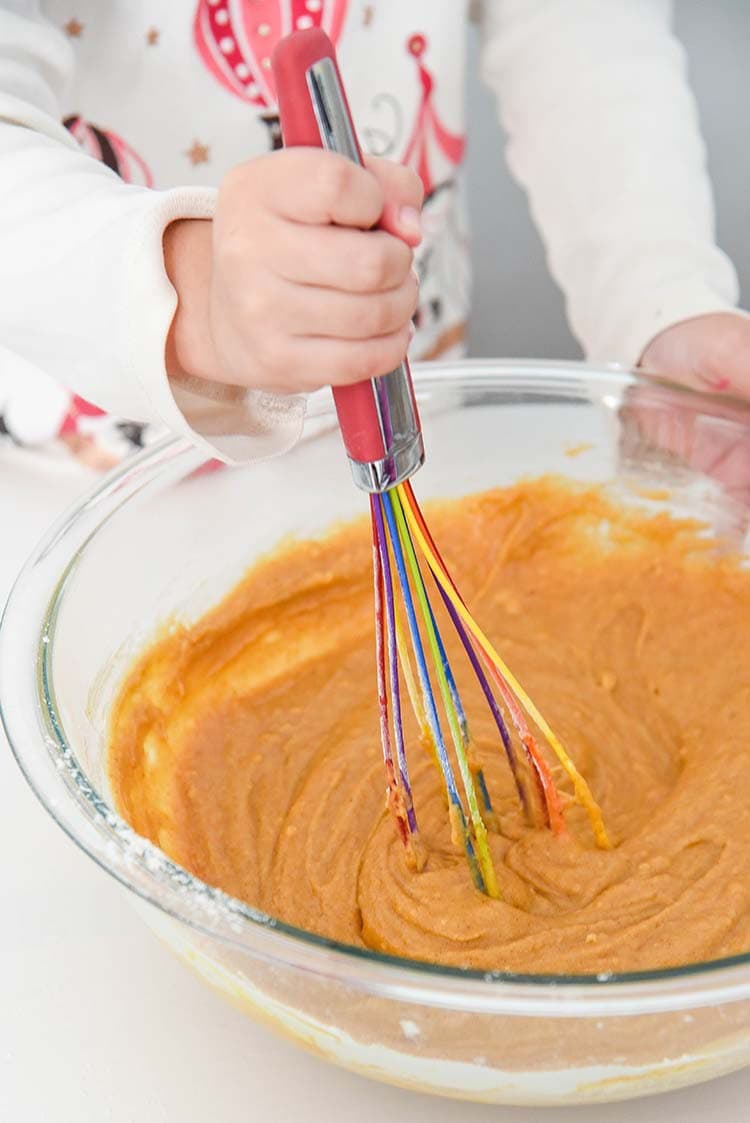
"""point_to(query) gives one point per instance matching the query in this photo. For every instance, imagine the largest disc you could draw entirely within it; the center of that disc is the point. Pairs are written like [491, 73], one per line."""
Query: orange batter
[247, 745]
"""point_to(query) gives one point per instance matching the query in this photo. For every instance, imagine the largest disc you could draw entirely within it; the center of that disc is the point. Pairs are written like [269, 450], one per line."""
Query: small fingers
[336, 362]
[308, 185]
[349, 260]
[327, 313]
[301, 364]
[710, 352]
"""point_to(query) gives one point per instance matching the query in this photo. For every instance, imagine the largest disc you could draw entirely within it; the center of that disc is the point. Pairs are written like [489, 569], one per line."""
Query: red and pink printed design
[111, 150]
[235, 39]
[428, 134]
[77, 409]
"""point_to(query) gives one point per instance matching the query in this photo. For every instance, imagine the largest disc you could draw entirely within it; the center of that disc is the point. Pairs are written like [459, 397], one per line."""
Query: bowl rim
[48, 761]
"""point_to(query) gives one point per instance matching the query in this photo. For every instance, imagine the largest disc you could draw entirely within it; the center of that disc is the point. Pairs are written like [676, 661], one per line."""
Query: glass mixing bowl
[162, 538]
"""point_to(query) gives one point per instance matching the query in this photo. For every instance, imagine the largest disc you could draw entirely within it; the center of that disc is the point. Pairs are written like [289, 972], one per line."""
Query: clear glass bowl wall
[163, 539]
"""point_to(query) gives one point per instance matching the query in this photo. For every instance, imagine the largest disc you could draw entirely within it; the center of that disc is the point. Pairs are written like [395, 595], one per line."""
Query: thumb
[403, 192]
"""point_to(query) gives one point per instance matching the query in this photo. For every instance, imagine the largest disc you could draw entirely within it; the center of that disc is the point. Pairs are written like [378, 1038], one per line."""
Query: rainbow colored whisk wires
[404, 552]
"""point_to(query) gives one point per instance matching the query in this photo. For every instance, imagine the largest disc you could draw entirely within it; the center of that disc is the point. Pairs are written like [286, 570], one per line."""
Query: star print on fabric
[198, 153]
[74, 28]
[152, 36]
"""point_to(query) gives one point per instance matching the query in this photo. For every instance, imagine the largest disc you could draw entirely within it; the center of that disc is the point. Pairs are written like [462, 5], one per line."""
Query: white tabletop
[99, 1024]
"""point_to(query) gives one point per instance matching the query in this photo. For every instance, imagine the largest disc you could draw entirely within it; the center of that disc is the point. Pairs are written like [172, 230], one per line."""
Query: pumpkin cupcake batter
[246, 746]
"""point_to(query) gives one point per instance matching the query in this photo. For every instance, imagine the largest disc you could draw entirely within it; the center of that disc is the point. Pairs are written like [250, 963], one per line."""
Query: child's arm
[604, 136]
[259, 301]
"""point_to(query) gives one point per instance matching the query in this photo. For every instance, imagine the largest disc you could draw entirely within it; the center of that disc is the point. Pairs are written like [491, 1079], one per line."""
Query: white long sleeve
[84, 294]
[604, 135]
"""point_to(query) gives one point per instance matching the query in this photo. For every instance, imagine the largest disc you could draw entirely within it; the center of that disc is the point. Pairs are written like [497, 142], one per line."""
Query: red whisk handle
[293, 59]
[378, 418]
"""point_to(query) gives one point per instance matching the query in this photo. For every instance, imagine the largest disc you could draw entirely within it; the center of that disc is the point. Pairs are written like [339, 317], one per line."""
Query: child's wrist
[189, 351]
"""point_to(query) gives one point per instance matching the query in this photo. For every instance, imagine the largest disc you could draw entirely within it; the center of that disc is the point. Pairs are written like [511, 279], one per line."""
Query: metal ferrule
[402, 436]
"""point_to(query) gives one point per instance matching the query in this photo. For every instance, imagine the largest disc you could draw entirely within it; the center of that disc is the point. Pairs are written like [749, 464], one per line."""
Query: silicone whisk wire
[478, 827]
[400, 798]
[507, 682]
[409, 645]
[455, 806]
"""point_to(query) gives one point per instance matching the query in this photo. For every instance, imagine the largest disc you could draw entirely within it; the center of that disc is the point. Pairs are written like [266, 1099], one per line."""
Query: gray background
[517, 308]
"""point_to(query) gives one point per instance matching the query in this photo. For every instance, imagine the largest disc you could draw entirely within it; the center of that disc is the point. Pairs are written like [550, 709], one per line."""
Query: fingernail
[718, 385]
[410, 221]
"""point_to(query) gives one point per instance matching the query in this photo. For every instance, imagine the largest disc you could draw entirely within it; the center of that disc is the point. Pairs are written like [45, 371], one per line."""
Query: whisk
[382, 434]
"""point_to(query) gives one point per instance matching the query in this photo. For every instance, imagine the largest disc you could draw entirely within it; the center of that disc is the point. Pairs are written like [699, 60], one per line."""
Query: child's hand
[710, 352]
[288, 289]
